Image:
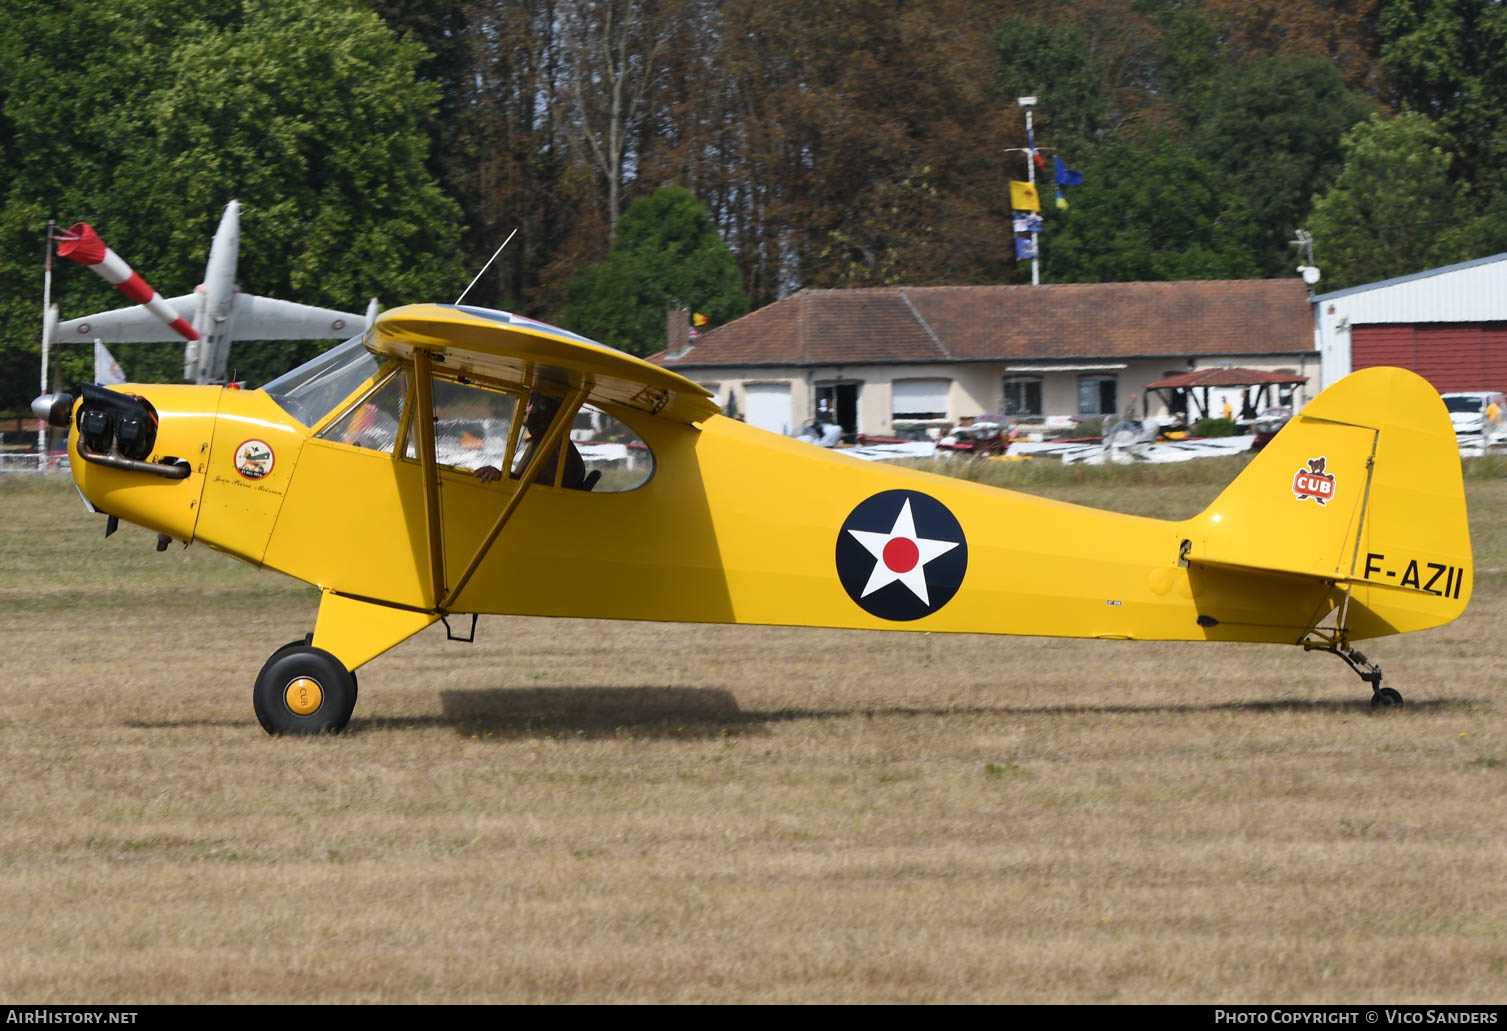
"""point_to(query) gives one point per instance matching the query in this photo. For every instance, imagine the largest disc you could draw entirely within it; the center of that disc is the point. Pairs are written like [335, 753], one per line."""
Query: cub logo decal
[1313, 482]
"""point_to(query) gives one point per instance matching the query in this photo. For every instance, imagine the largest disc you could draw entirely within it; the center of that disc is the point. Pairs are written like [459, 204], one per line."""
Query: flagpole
[1028, 103]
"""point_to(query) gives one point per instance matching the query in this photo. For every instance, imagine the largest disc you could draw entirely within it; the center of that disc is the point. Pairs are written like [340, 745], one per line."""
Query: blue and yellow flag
[1067, 176]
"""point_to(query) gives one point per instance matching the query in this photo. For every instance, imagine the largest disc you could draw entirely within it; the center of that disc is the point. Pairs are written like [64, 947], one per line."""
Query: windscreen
[311, 391]
[1464, 403]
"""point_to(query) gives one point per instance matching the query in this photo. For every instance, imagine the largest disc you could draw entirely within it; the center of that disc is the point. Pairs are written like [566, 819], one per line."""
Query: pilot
[536, 419]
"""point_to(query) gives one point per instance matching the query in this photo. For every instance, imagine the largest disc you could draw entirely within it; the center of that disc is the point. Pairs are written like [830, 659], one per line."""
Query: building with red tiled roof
[878, 357]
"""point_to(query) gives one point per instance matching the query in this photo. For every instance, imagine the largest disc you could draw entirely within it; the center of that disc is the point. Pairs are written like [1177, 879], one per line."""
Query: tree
[1150, 213]
[1341, 32]
[146, 119]
[614, 47]
[1053, 64]
[1392, 209]
[1447, 59]
[1273, 127]
[668, 254]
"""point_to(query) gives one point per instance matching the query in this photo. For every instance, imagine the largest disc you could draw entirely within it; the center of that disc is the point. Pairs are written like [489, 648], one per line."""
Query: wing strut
[423, 388]
[552, 440]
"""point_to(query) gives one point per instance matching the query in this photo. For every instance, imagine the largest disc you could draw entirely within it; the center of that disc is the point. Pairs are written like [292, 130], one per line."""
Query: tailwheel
[304, 690]
[1370, 672]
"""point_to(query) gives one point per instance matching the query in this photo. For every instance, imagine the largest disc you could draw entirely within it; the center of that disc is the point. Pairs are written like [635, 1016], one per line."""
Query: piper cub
[427, 470]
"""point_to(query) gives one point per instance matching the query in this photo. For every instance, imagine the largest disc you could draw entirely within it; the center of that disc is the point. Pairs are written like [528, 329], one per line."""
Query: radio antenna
[484, 268]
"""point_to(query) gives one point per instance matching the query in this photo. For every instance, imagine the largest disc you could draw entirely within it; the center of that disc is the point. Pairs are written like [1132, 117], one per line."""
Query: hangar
[1073, 351]
[1447, 324]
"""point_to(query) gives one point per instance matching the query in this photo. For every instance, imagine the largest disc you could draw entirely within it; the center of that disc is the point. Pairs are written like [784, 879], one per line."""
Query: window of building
[1097, 395]
[1022, 395]
[919, 398]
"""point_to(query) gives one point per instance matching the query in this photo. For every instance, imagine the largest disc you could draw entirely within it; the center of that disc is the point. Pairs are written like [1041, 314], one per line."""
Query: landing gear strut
[1370, 672]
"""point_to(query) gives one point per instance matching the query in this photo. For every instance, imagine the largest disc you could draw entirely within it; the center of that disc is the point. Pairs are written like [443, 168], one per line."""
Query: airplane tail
[1362, 490]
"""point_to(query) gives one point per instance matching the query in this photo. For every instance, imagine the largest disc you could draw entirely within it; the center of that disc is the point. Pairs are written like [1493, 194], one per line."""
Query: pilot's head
[541, 409]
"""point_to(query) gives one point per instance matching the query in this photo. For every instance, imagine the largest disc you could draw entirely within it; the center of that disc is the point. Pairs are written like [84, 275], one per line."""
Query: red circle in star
[901, 555]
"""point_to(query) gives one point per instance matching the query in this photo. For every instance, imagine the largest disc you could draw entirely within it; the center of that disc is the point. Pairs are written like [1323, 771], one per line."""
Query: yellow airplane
[387, 473]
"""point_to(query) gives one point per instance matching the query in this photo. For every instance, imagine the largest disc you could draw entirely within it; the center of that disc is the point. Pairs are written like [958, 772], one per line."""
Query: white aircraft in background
[215, 314]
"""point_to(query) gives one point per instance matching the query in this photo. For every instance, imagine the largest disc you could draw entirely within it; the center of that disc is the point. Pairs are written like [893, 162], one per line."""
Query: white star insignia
[900, 555]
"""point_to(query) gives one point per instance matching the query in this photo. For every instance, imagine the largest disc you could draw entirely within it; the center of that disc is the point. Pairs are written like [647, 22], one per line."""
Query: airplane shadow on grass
[698, 713]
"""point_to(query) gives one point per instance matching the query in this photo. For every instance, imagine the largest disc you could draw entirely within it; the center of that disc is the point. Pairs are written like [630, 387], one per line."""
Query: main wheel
[303, 690]
[1386, 698]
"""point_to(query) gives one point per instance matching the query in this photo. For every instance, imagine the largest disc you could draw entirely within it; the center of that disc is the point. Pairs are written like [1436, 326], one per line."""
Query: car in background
[1476, 411]
[987, 434]
[1268, 422]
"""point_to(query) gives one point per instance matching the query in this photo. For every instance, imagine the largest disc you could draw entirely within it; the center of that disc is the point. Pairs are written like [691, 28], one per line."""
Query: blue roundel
[901, 555]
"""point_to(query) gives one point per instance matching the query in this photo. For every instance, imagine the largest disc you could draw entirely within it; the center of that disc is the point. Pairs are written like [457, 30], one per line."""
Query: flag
[1067, 176]
[699, 319]
[1061, 201]
[1023, 196]
[1040, 161]
[1031, 223]
[106, 369]
[1024, 249]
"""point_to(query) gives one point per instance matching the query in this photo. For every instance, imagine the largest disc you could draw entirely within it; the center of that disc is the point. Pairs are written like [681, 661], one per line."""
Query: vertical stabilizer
[1364, 488]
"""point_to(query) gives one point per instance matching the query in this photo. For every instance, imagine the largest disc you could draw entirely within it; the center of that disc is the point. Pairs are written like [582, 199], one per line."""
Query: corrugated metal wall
[1451, 356]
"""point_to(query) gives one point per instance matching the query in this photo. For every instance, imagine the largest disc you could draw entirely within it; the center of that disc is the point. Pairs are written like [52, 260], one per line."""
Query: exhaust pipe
[117, 430]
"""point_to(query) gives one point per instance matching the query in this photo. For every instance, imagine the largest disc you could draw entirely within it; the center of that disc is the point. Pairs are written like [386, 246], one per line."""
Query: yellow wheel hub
[303, 696]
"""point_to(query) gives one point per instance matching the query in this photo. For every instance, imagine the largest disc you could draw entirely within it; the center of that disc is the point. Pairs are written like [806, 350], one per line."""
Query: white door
[769, 406]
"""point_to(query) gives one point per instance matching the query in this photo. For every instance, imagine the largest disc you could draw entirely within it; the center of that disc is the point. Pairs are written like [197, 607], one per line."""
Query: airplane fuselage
[205, 361]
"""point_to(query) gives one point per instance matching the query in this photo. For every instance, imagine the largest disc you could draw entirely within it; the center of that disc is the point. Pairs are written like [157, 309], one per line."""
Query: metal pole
[46, 339]
[1031, 173]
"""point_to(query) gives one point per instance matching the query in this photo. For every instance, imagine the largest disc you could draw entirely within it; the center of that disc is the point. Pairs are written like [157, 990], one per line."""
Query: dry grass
[574, 811]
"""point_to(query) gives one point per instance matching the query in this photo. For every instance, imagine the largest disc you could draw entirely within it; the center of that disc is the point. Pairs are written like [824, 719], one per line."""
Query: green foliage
[1191, 58]
[1447, 60]
[1214, 428]
[846, 144]
[145, 117]
[1392, 209]
[1053, 63]
[667, 254]
[1273, 128]
[1149, 213]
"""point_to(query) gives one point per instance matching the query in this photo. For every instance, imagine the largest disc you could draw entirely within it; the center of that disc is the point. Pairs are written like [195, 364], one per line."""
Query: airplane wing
[134, 325]
[519, 350]
[266, 318]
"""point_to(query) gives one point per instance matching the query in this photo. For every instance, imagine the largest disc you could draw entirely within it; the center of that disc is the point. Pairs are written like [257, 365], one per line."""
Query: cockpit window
[613, 451]
[375, 420]
[471, 426]
[311, 391]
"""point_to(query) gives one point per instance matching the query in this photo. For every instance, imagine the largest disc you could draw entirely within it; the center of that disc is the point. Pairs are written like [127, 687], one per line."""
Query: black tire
[1386, 698]
[304, 690]
[303, 642]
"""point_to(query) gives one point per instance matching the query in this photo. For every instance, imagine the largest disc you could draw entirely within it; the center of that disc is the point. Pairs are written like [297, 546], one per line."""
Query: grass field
[624, 812]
